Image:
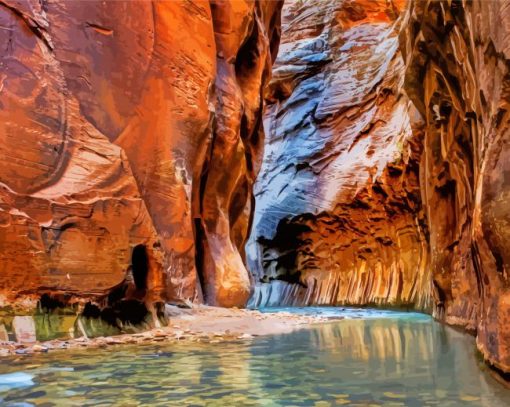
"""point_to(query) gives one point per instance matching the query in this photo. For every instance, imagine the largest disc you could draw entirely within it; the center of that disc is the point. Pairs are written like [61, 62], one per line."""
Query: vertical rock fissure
[140, 267]
[198, 198]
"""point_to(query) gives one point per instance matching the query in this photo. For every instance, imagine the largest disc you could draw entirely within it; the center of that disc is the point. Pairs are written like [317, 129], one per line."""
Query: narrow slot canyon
[251, 155]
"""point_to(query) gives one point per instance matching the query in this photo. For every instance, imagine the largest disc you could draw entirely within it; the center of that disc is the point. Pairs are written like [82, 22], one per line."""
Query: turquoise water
[372, 358]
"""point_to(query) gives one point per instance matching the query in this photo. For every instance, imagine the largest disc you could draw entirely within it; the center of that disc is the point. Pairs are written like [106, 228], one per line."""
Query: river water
[371, 358]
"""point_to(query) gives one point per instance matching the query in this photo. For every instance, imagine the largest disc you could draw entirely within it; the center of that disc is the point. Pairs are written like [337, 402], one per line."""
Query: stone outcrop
[338, 208]
[458, 76]
[130, 136]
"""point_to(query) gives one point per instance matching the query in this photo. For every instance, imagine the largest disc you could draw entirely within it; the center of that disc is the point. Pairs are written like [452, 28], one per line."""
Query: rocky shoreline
[196, 324]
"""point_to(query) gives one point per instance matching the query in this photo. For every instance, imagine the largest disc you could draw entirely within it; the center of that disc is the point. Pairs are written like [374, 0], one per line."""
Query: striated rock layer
[362, 199]
[338, 208]
[130, 135]
[458, 76]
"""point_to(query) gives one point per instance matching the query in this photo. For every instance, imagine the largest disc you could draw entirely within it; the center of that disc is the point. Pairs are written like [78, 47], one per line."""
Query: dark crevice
[199, 254]
[100, 29]
[248, 55]
[498, 259]
[477, 266]
[140, 264]
[50, 303]
[447, 189]
[199, 231]
[282, 250]
[123, 312]
[441, 299]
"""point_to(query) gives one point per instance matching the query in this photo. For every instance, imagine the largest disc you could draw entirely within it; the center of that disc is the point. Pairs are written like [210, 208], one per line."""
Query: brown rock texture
[361, 199]
[338, 208]
[458, 76]
[130, 135]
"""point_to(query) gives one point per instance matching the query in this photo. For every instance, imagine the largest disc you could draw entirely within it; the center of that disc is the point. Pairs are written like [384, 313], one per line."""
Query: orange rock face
[362, 199]
[458, 76]
[338, 208]
[130, 136]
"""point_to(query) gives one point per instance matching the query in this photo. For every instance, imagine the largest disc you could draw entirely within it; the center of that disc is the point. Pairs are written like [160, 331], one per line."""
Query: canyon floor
[196, 324]
[207, 357]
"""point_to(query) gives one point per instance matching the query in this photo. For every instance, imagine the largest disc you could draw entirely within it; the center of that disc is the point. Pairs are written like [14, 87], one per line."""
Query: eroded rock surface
[362, 199]
[338, 208]
[129, 149]
[458, 76]
[130, 131]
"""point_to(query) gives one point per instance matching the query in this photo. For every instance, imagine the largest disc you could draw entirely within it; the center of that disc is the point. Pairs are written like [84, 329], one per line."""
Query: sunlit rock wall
[458, 75]
[338, 214]
[130, 131]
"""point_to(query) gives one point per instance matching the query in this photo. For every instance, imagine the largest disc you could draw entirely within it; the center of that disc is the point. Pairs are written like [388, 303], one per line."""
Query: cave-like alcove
[140, 263]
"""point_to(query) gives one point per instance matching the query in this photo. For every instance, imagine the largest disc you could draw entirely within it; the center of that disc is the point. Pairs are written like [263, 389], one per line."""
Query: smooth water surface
[372, 358]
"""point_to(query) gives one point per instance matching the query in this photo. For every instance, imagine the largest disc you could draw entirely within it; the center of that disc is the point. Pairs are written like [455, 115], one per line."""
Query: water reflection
[400, 360]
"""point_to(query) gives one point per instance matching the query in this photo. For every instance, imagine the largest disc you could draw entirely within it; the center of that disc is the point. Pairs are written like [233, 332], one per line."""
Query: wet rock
[24, 329]
[245, 336]
[160, 334]
[39, 348]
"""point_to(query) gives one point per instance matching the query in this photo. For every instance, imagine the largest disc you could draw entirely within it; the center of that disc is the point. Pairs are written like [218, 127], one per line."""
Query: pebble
[245, 336]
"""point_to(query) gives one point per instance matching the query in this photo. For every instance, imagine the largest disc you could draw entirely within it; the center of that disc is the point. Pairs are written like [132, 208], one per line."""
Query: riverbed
[368, 358]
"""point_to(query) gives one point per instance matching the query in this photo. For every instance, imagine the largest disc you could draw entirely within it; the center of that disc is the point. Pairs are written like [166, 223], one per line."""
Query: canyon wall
[129, 149]
[130, 137]
[384, 179]
[458, 76]
[338, 207]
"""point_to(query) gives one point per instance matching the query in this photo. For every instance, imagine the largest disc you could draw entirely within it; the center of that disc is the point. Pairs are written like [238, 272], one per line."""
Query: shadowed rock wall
[364, 198]
[458, 76]
[130, 135]
[338, 199]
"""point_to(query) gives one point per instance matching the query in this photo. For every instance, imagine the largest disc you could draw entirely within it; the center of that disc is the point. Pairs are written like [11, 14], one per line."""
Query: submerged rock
[15, 380]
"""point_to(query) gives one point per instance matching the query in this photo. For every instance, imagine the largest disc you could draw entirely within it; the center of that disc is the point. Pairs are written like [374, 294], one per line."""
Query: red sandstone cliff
[361, 199]
[130, 134]
[458, 75]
